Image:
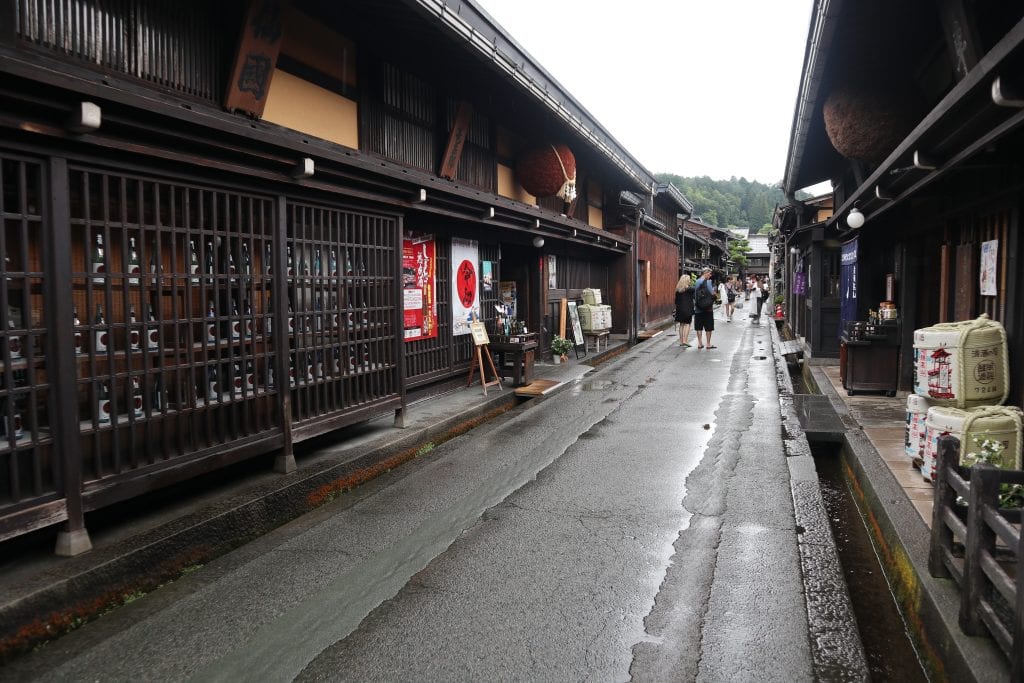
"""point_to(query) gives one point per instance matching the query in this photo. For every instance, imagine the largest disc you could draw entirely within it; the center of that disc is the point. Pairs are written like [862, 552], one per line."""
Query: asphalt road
[638, 525]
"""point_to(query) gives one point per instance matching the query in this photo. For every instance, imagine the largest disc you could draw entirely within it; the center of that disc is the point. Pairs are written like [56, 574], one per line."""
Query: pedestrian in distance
[727, 295]
[755, 296]
[704, 309]
[684, 308]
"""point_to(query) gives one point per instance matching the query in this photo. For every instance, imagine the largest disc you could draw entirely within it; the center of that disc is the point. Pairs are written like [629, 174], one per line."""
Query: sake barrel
[963, 364]
[998, 423]
[592, 296]
[917, 412]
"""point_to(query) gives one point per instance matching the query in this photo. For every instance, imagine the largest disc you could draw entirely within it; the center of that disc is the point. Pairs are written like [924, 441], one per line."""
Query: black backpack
[703, 298]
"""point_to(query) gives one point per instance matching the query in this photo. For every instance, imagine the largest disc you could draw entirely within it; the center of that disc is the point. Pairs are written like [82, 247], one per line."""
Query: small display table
[515, 356]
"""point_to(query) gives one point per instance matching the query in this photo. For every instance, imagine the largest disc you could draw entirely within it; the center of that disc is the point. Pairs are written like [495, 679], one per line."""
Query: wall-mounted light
[855, 219]
[488, 213]
[304, 169]
[419, 196]
[85, 118]
[794, 251]
[538, 241]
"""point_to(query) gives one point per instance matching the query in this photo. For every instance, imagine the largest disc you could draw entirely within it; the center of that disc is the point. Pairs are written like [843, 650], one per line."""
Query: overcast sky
[692, 87]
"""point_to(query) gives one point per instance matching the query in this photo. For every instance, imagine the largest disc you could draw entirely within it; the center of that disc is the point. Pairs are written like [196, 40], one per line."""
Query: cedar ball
[539, 172]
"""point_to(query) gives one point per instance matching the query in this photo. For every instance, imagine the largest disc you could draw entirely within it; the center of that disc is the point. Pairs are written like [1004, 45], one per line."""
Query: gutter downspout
[634, 313]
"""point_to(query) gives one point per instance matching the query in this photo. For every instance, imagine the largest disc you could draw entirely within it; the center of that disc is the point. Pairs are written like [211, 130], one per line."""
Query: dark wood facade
[217, 196]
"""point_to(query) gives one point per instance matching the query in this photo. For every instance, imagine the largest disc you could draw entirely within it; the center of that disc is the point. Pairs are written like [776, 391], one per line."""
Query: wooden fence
[979, 545]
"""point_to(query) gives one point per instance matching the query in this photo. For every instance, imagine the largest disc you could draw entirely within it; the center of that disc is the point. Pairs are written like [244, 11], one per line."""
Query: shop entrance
[520, 283]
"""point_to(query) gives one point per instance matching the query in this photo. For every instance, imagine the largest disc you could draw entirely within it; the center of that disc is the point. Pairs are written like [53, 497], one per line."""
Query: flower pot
[556, 358]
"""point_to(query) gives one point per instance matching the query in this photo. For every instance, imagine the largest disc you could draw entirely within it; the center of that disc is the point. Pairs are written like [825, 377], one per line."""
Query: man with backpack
[704, 309]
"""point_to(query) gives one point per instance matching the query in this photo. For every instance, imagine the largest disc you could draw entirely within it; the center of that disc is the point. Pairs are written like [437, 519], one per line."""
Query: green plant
[561, 345]
[779, 299]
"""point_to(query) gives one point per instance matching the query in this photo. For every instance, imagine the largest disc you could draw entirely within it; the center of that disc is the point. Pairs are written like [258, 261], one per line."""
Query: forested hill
[736, 202]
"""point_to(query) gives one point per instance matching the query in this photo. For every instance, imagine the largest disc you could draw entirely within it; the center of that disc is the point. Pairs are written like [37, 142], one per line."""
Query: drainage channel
[887, 645]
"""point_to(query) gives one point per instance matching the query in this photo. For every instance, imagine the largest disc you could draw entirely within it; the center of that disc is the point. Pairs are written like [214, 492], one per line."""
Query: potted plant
[560, 347]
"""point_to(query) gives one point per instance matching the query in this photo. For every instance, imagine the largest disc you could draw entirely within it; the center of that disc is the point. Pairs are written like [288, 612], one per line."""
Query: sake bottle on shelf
[236, 322]
[250, 377]
[14, 321]
[78, 333]
[193, 262]
[337, 361]
[268, 320]
[319, 369]
[334, 311]
[246, 259]
[133, 263]
[332, 264]
[248, 324]
[152, 331]
[268, 260]
[232, 271]
[348, 264]
[211, 324]
[99, 260]
[318, 315]
[291, 370]
[14, 426]
[210, 260]
[137, 407]
[303, 266]
[366, 356]
[99, 344]
[291, 318]
[133, 330]
[316, 263]
[212, 383]
[291, 262]
[270, 373]
[236, 380]
[156, 402]
[104, 407]
[309, 367]
[154, 265]
[353, 362]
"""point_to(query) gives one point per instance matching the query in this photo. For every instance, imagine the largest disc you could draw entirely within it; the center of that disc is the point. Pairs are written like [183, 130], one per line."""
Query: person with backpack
[704, 309]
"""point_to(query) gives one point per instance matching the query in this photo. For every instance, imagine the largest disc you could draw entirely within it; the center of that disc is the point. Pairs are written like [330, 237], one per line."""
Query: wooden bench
[596, 338]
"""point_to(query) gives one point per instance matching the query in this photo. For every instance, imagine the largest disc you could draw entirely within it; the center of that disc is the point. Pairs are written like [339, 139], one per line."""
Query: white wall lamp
[488, 213]
[855, 219]
[304, 169]
[85, 118]
[419, 196]
[538, 241]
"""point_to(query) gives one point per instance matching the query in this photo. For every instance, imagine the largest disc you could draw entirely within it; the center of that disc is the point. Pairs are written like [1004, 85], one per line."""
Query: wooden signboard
[259, 45]
[482, 342]
[577, 329]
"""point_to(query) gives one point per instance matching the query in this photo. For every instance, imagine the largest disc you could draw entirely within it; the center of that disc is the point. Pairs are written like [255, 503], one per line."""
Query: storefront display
[962, 364]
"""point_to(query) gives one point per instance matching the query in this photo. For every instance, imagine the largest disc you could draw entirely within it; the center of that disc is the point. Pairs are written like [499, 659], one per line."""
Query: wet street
[638, 525]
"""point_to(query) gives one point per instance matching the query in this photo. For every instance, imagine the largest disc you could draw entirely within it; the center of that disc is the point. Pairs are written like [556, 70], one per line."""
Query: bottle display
[13, 423]
[103, 405]
[250, 377]
[134, 269]
[211, 325]
[237, 380]
[152, 331]
[193, 262]
[137, 407]
[212, 383]
[246, 259]
[209, 263]
[236, 322]
[14, 321]
[99, 261]
[78, 333]
[133, 330]
[154, 266]
[100, 334]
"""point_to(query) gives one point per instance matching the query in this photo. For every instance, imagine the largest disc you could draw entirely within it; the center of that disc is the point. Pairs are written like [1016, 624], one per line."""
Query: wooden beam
[256, 58]
[456, 141]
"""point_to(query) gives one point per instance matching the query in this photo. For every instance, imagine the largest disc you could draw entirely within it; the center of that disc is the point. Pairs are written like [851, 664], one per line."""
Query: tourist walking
[727, 296]
[704, 309]
[684, 308]
[755, 297]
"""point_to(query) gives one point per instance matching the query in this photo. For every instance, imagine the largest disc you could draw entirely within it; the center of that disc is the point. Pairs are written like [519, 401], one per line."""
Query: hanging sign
[847, 284]
[989, 253]
[465, 284]
[800, 283]
[419, 292]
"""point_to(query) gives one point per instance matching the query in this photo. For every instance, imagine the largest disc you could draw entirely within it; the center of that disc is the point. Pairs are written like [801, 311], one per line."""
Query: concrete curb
[930, 606]
[836, 646]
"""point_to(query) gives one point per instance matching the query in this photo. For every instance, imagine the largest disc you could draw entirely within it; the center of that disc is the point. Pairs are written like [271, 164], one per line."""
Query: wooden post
[944, 499]
[563, 308]
[980, 540]
[284, 462]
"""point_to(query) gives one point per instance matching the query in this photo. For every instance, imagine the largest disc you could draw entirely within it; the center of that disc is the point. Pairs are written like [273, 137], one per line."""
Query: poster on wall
[989, 252]
[800, 283]
[508, 297]
[465, 284]
[419, 291]
[552, 271]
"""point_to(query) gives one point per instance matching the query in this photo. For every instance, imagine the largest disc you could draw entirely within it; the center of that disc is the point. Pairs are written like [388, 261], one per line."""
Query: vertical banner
[847, 284]
[989, 261]
[465, 284]
[419, 290]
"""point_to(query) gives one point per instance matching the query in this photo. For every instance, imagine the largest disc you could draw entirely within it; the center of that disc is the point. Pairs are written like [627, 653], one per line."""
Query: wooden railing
[979, 545]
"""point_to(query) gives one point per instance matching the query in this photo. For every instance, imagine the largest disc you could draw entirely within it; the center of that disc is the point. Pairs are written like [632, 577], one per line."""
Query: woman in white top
[725, 297]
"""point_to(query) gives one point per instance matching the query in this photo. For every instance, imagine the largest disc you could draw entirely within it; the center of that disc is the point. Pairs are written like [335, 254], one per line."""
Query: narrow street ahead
[637, 525]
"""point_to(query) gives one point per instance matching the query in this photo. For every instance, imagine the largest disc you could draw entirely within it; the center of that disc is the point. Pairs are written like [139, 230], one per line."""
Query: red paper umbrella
[466, 283]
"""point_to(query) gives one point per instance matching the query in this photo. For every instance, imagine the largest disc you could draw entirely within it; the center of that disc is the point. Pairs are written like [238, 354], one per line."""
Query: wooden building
[232, 226]
[914, 112]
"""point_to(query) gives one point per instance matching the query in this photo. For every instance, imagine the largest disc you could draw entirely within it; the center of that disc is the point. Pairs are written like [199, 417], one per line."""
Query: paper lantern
[548, 171]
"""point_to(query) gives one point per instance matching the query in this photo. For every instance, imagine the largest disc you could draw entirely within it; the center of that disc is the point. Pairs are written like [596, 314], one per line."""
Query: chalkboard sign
[577, 329]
